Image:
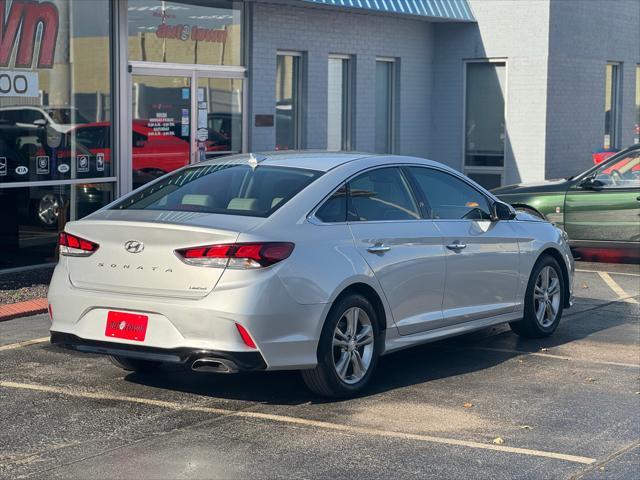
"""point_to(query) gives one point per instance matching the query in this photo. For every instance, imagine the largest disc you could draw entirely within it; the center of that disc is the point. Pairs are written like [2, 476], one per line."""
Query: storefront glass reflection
[219, 129]
[56, 92]
[188, 31]
[33, 216]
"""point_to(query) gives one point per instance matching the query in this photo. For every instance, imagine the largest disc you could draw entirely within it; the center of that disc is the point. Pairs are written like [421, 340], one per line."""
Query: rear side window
[449, 197]
[379, 195]
[335, 208]
[231, 189]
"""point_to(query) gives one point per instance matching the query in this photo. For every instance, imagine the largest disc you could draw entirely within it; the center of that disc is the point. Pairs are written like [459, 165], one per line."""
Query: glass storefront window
[611, 106]
[338, 104]
[188, 31]
[384, 125]
[485, 122]
[288, 80]
[33, 216]
[55, 118]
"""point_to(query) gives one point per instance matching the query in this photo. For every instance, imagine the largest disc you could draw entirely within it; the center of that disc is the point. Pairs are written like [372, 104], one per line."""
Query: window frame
[298, 84]
[614, 115]
[393, 95]
[502, 171]
[346, 142]
[414, 189]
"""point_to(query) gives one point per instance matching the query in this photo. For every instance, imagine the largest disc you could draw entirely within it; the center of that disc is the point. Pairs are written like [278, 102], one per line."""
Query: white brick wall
[584, 35]
[318, 32]
[514, 30]
[555, 50]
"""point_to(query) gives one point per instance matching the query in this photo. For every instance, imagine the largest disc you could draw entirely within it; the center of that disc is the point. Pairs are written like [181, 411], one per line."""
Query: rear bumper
[243, 361]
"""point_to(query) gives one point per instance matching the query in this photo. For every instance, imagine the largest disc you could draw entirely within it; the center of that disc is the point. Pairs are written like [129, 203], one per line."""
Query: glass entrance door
[180, 118]
[219, 117]
[161, 113]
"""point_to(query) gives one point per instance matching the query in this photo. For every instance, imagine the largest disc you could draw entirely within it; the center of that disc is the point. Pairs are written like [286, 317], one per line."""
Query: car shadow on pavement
[422, 364]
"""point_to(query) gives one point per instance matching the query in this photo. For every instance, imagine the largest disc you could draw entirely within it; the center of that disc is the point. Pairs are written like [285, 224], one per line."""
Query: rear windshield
[232, 189]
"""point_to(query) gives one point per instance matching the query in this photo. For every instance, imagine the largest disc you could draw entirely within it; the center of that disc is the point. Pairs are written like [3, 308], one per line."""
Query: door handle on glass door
[456, 246]
[378, 248]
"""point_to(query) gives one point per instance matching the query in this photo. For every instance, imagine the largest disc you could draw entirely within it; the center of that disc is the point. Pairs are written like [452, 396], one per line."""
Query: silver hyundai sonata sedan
[318, 262]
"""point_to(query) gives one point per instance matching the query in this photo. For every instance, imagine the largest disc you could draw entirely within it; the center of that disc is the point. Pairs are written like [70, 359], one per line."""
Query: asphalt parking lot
[564, 407]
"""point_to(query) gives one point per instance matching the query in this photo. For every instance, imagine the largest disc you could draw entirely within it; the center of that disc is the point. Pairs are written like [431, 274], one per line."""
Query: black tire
[324, 379]
[530, 326]
[134, 364]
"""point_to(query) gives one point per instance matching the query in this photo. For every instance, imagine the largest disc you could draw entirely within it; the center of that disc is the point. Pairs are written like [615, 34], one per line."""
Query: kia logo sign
[134, 246]
[22, 170]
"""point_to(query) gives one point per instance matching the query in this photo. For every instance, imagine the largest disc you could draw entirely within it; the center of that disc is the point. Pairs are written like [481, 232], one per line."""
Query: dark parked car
[599, 208]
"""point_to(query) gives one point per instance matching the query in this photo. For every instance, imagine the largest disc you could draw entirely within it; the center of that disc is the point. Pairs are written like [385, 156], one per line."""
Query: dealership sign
[195, 33]
[18, 84]
[18, 29]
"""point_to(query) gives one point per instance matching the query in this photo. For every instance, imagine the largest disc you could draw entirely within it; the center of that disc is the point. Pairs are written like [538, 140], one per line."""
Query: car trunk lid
[137, 257]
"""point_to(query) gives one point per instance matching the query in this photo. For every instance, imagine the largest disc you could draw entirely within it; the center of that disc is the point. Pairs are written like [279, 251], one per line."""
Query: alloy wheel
[353, 345]
[49, 209]
[546, 296]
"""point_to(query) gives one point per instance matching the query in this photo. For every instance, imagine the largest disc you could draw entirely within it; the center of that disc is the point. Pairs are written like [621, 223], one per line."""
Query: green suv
[598, 208]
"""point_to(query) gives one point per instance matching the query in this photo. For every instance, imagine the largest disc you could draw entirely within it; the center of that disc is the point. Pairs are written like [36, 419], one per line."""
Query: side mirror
[502, 211]
[591, 183]
[40, 122]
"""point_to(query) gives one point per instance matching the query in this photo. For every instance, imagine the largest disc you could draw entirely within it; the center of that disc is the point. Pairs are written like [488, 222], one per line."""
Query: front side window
[611, 105]
[448, 197]
[231, 189]
[381, 195]
[621, 172]
[288, 86]
[485, 122]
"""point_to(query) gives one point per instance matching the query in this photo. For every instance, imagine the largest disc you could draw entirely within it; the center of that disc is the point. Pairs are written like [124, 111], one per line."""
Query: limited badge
[3, 166]
[82, 163]
[100, 162]
[42, 165]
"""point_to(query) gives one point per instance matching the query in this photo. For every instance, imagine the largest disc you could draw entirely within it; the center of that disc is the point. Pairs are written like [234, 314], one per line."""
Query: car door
[605, 205]
[482, 256]
[404, 251]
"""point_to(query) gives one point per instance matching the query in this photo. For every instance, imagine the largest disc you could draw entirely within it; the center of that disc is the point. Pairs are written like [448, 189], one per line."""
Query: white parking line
[558, 357]
[617, 289]
[614, 273]
[301, 421]
[26, 343]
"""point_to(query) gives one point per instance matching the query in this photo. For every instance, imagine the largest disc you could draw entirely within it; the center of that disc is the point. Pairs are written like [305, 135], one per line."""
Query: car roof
[311, 160]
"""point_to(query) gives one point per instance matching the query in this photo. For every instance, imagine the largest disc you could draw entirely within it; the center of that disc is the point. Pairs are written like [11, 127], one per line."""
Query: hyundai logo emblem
[134, 246]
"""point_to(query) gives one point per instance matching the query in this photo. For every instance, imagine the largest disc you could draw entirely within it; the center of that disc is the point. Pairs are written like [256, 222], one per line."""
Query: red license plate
[129, 326]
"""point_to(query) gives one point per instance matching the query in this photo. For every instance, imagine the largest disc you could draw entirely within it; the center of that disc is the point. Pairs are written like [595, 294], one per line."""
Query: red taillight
[246, 338]
[73, 246]
[237, 255]
[50, 312]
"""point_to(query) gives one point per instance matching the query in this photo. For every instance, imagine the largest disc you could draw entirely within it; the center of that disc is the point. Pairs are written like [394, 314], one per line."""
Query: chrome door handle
[379, 248]
[456, 246]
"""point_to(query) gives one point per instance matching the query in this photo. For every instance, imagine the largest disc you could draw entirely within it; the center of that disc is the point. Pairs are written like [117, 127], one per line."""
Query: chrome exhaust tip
[215, 365]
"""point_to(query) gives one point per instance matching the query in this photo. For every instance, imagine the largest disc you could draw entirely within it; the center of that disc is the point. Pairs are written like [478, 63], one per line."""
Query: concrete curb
[23, 309]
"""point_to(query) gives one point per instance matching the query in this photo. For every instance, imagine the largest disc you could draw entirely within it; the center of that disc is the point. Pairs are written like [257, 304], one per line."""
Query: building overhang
[430, 10]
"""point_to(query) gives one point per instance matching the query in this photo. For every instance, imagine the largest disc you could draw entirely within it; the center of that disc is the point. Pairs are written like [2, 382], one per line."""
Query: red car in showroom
[152, 155]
